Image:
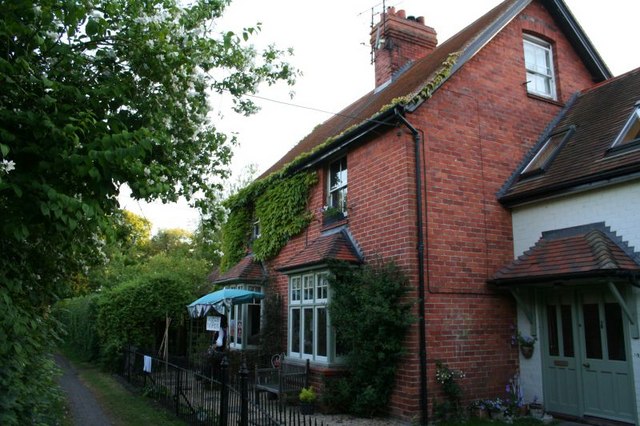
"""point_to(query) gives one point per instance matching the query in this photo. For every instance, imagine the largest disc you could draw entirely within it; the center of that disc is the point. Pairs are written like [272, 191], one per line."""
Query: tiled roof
[465, 44]
[598, 116]
[247, 270]
[578, 252]
[336, 246]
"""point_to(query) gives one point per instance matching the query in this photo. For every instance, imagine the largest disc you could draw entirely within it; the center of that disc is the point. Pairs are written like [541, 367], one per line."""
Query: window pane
[307, 288]
[592, 341]
[233, 325]
[567, 331]
[544, 156]
[322, 331]
[338, 174]
[308, 331]
[295, 330]
[295, 289]
[552, 330]
[322, 289]
[338, 179]
[615, 332]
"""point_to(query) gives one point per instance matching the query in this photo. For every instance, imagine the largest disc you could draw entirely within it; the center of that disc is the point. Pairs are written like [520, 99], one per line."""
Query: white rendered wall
[619, 208]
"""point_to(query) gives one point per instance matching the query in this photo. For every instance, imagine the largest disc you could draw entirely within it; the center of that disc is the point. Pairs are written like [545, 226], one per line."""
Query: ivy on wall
[279, 202]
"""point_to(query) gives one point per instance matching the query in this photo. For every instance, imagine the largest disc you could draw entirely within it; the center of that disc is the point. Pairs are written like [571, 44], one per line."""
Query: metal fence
[209, 398]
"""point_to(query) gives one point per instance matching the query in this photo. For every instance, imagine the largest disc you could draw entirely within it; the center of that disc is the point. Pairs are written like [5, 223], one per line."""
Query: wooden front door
[586, 368]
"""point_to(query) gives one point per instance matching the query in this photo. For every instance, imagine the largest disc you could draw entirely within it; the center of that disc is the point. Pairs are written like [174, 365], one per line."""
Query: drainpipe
[424, 406]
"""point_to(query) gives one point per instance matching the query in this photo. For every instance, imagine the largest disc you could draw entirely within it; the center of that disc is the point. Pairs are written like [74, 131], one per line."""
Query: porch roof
[586, 251]
[335, 246]
[248, 270]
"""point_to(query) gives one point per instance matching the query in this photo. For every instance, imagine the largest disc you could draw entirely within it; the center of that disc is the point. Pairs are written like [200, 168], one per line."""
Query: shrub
[371, 316]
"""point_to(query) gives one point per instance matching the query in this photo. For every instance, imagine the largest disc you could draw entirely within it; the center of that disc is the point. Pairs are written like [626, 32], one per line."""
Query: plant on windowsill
[526, 343]
[307, 399]
[331, 215]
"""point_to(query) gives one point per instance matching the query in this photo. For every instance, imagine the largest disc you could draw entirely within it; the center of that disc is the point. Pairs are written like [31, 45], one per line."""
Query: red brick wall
[477, 128]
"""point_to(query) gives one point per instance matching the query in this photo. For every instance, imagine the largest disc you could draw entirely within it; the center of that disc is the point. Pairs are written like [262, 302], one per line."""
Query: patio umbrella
[226, 298]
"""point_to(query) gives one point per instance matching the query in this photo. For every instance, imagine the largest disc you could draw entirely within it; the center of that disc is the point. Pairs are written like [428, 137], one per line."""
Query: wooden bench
[282, 379]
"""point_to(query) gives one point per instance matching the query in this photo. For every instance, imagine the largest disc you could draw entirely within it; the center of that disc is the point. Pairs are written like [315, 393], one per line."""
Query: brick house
[422, 157]
[576, 277]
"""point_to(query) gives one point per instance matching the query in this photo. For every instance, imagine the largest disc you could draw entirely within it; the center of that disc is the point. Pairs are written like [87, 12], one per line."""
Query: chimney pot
[405, 40]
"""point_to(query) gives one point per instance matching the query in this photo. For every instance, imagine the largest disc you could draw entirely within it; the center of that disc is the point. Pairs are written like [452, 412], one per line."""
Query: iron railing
[209, 398]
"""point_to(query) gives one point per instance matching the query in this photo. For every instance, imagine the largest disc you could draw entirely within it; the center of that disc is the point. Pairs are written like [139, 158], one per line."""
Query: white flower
[7, 165]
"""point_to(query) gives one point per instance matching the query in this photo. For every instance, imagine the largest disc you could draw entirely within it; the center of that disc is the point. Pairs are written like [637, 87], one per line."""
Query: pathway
[85, 409]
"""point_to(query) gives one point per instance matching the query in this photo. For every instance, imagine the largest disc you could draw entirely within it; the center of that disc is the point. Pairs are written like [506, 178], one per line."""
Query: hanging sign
[213, 323]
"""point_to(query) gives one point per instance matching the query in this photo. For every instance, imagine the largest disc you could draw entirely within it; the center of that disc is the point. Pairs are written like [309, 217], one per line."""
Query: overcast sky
[330, 39]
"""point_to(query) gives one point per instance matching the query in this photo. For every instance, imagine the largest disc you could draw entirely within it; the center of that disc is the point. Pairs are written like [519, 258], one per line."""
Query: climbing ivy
[279, 202]
[236, 232]
[283, 213]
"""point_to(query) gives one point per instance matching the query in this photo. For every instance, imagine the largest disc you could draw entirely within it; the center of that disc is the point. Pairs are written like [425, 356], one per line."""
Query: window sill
[544, 99]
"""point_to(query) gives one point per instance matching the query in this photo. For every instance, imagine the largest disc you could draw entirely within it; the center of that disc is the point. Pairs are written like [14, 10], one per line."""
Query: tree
[96, 94]
[176, 240]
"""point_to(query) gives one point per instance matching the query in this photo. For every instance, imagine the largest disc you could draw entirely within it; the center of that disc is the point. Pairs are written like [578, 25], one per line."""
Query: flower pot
[527, 351]
[307, 408]
[496, 415]
[480, 413]
[536, 411]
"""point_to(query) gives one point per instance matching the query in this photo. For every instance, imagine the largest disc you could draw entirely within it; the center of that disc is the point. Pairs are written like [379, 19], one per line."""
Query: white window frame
[238, 319]
[536, 72]
[308, 295]
[340, 188]
[633, 119]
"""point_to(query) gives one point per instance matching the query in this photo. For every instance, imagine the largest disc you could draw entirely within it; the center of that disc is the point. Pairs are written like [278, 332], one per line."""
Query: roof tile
[336, 246]
[571, 252]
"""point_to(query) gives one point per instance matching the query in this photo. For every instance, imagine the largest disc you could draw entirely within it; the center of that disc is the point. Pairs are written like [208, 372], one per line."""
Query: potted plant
[535, 409]
[307, 399]
[331, 214]
[478, 409]
[526, 344]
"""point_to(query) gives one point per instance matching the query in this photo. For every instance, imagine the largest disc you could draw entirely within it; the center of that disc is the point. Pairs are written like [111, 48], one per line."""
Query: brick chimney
[397, 40]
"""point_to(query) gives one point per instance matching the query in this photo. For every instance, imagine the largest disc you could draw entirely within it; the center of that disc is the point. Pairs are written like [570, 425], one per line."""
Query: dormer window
[630, 135]
[546, 154]
[538, 59]
[337, 182]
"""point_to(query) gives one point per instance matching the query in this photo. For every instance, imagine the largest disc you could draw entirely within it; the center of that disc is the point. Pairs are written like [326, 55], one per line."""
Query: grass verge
[123, 407]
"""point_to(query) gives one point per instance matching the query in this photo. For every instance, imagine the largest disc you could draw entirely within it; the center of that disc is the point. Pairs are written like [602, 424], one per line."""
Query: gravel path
[84, 407]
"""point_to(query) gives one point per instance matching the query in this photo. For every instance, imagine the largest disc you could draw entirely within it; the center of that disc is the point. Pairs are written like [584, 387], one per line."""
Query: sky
[330, 40]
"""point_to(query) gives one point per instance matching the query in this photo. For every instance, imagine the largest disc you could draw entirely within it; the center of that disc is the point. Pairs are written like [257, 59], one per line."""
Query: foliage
[514, 399]
[96, 94]
[369, 310]
[448, 380]
[129, 312]
[78, 316]
[271, 331]
[307, 395]
[282, 211]
[279, 204]
[177, 241]
[236, 232]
